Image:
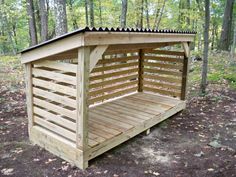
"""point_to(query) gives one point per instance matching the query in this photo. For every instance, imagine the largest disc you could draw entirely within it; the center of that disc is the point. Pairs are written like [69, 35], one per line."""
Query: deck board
[113, 119]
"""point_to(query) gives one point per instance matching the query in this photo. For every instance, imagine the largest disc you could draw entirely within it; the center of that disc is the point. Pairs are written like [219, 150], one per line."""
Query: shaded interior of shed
[130, 88]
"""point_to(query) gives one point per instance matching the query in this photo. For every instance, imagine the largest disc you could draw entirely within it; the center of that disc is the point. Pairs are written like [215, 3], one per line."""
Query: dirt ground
[198, 142]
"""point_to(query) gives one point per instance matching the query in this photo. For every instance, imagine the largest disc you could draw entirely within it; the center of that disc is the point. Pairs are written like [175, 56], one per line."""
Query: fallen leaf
[7, 171]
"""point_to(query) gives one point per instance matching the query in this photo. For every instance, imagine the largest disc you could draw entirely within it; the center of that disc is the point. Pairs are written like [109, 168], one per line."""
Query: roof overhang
[68, 43]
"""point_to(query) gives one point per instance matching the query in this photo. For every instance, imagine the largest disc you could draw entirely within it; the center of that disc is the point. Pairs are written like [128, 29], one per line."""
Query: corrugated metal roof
[100, 29]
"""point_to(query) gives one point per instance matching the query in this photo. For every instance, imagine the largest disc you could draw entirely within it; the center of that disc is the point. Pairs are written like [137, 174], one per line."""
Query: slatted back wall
[163, 72]
[114, 75]
[54, 97]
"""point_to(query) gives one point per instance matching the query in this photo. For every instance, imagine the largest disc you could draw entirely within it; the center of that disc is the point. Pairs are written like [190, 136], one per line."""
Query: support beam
[185, 71]
[186, 48]
[96, 54]
[82, 102]
[29, 95]
[140, 72]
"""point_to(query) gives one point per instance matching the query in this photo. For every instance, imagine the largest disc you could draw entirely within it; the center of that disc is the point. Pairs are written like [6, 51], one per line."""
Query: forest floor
[199, 141]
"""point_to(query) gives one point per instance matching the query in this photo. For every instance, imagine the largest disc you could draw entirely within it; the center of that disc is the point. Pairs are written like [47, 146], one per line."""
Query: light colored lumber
[165, 92]
[161, 71]
[164, 59]
[164, 52]
[163, 85]
[186, 49]
[148, 131]
[161, 78]
[96, 54]
[118, 66]
[82, 83]
[55, 97]
[54, 76]
[29, 95]
[117, 59]
[68, 67]
[162, 65]
[54, 86]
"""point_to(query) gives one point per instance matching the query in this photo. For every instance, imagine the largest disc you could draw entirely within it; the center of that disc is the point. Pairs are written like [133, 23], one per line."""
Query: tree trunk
[44, 20]
[60, 15]
[141, 14]
[74, 21]
[147, 14]
[224, 43]
[86, 13]
[100, 12]
[91, 10]
[123, 14]
[160, 16]
[32, 24]
[206, 46]
[156, 15]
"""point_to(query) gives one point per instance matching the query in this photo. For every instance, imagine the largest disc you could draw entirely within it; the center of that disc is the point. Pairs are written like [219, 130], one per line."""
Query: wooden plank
[82, 102]
[113, 81]
[161, 71]
[96, 54]
[112, 88]
[54, 86]
[140, 73]
[117, 59]
[160, 78]
[29, 95]
[112, 95]
[54, 76]
[163, 85]
[186, 49]
[68, 67]
[185, 75]
[165, 92]
[55, 97]
[119, 66]
[51, 117]
[163, 65]
[106, 128]
[164, 59]
[103, 147]
[113, 74]
[114, 50]
[54, 108]
[164, 52]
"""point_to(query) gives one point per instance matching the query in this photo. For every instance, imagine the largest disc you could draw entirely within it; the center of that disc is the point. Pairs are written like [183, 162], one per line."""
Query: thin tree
[43, 20]
[32, 24]
[147, 13]
[224, 43]
[206, 46]
[60, 15]
[86, 12]
[74, 21]
[123, 13]
[91, 11]
[161, 13]
[141, 14]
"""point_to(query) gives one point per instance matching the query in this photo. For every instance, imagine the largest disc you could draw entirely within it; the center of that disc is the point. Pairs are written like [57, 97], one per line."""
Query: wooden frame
[102, 90]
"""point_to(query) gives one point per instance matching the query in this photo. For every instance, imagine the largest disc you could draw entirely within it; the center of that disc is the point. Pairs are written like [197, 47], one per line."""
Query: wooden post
[185, 71]
[140, 77]
[82, 102]
[29, 95]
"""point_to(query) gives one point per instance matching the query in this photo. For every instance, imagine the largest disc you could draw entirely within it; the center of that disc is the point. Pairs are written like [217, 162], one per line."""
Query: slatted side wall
[114, 75]
[163, 72]
[54, 97]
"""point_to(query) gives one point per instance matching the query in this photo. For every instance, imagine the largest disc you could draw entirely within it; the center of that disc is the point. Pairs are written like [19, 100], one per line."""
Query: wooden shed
[90, 90]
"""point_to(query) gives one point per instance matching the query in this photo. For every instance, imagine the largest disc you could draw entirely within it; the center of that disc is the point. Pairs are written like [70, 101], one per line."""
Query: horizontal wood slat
[164, 52]
[54, 86]
[113, 74]
[113, 60]
[162, 65]
[68, 67]
[164, 59]
[55, 97]
[164, 85]
[119, 66]
[166, 72]
[112, 95]
[160, 78]
[54, 76]
[120, 51]
[165, 92]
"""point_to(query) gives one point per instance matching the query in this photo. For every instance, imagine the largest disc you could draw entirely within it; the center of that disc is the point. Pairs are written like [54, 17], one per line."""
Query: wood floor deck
[133, 113]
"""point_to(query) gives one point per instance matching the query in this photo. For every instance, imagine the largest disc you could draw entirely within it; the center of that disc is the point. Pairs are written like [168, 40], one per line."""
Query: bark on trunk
[60, 15]
[160, 16]
[86, 13]
[225, 42]
[100, 12]
[44, 20]
[123, 14]
[74, 22]
[32, 24]
[91, 10]
[147, 14]
[206, 46]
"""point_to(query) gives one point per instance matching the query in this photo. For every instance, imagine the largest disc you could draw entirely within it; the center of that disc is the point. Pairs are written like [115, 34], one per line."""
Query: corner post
[82, 86]
[184, 84]
[140, 72]
[29, 95]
